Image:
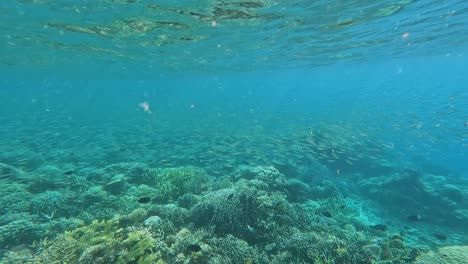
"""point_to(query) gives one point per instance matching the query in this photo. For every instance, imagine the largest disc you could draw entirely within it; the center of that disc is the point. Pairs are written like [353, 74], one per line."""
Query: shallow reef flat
[323, 194]
[137, 213]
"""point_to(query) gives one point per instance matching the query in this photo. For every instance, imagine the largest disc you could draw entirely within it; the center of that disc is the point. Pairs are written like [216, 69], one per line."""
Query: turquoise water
[233, 132]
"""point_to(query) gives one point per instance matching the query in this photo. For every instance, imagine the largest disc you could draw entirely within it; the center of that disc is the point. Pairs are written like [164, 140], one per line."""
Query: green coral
[20, 256]
[97, 232]
[139, 246]
[99, 242]
[63, 249]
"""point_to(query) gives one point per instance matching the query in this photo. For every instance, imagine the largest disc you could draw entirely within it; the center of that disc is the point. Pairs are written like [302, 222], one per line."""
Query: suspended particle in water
[145, 106]
[192, 106]
[213, 23]
[405, 35]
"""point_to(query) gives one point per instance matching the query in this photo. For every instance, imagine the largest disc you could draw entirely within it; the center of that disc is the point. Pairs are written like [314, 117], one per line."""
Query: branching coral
[100, 242]
[174, 182]
[234, 249]
[229, 210]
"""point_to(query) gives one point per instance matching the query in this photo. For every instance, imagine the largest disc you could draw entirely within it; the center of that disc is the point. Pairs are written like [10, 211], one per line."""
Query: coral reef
[255, 214]
[417, 197]
[174, 182]
[99, 242]
[445, 255]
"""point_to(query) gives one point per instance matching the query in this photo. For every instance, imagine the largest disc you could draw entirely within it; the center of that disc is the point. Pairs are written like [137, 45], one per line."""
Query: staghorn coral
[62, 249]
[19, 257]
[140, 246]
[99, 242]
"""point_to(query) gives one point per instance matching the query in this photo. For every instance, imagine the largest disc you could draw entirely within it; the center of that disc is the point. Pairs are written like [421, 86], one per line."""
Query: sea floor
[322, 195]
